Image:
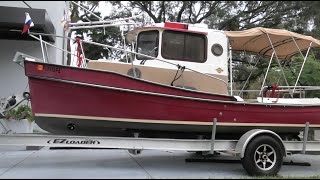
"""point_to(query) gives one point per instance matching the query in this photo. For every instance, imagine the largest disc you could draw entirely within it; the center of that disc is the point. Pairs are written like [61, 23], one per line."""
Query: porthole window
[217, 49]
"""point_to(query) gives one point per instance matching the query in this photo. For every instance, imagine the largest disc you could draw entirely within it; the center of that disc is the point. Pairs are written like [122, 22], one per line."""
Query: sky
[105, 8]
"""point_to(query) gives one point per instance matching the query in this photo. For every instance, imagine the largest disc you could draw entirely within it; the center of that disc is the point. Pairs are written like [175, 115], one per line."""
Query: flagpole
[44, 60]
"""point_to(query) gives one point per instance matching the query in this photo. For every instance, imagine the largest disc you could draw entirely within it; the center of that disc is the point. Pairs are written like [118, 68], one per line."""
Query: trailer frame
[211, 147]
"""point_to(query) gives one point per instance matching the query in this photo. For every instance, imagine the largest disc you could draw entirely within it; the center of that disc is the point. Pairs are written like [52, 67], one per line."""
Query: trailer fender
[248, 136]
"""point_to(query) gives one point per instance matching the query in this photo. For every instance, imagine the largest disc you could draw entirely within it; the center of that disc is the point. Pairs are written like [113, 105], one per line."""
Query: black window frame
[185, 33]
[157, 42]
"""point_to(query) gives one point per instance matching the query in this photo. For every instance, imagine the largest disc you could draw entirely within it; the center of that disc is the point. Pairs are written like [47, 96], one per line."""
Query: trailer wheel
[262, 156]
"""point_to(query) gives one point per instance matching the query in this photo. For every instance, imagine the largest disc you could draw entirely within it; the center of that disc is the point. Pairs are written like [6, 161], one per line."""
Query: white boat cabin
[192, 46]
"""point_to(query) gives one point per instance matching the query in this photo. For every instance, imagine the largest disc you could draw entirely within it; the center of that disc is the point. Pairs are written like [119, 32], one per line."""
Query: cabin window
[183, 46]
[147, 43]
[217, 49]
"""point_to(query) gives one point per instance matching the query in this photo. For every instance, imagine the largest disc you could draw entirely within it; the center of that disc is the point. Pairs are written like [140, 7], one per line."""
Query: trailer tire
[262, 156]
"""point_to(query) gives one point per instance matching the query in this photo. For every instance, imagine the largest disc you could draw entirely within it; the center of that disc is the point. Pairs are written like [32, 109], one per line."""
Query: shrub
[22, 112]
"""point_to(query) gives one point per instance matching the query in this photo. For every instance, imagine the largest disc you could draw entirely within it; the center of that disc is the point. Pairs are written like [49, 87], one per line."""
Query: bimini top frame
[278, 43]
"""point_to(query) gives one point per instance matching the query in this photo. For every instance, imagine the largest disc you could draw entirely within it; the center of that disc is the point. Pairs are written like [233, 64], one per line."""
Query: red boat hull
[106, 103]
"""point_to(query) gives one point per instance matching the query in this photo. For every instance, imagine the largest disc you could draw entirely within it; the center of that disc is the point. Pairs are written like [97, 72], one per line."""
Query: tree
[310, 75]
[109, 36]
[178, 11]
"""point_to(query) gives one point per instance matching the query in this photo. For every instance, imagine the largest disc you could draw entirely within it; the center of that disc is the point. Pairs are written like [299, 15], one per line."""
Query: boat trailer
[261, 151]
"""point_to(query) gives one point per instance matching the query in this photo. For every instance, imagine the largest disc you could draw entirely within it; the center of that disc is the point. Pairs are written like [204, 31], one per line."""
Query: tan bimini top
[257, 40]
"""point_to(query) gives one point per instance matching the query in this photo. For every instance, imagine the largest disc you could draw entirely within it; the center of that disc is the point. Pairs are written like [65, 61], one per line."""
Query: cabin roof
[164, 26]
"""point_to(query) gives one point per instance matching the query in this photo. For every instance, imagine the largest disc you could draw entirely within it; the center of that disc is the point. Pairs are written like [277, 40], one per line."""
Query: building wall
[12, 78]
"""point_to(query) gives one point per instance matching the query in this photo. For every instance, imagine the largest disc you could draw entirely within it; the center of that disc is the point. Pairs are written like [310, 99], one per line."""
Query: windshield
[183, 46]
[147, 44]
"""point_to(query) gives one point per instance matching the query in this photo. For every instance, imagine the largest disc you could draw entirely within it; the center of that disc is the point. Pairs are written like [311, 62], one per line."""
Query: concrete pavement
[119, 164]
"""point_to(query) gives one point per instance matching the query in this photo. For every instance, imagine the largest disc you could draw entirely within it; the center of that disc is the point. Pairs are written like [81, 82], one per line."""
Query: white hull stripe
[171, 122]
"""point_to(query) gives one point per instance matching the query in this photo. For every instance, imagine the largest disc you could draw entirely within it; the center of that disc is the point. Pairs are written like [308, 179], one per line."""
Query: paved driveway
[112, 163]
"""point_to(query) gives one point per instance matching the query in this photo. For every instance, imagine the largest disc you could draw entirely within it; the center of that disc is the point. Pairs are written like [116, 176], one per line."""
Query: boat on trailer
[176, 81]
[173, 85]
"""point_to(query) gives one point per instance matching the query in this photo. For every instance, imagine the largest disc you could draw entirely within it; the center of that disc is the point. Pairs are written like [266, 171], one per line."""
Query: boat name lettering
[66, 141]
[52, 69]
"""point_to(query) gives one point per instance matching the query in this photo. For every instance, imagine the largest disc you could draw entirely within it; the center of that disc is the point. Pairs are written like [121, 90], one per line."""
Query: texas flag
[27, 24]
